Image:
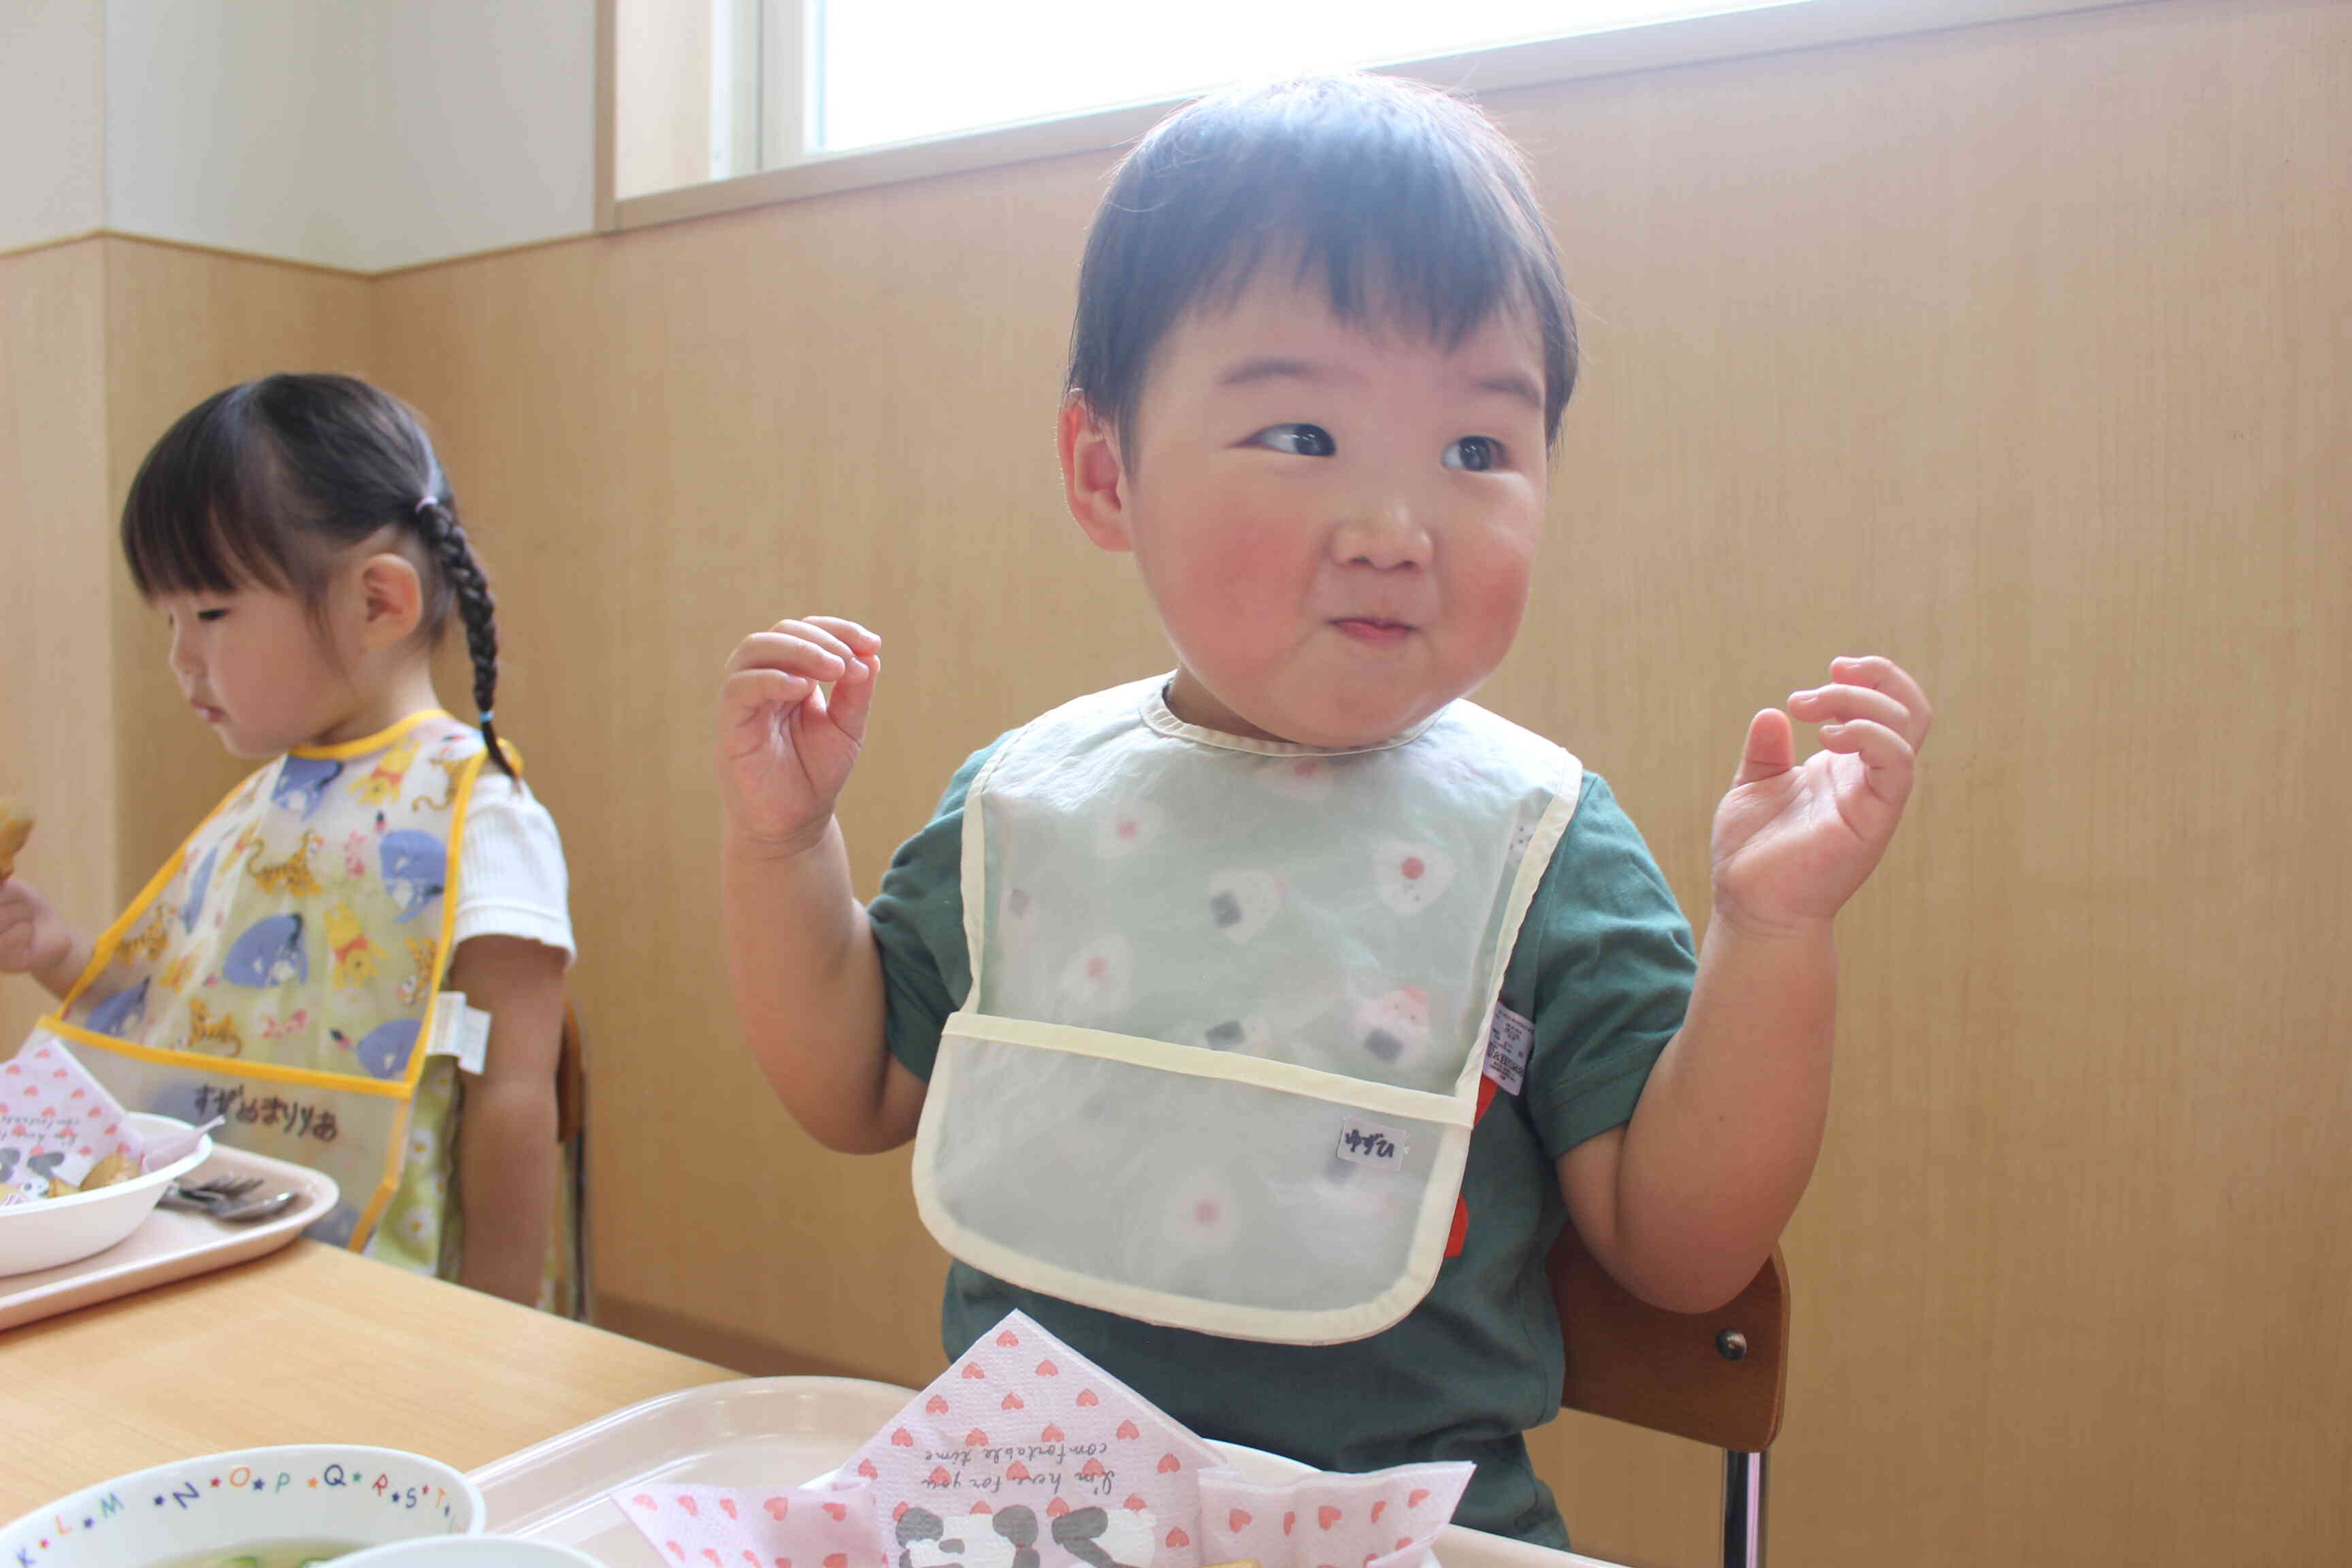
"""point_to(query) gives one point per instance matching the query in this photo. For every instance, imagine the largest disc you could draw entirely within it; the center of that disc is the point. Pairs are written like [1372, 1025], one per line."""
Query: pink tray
[762, 1431]
[168, 1246]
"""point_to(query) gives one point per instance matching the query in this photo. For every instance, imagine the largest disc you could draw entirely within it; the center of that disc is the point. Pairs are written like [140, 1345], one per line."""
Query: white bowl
[51, 1231]
[470, 1551]
[247, 1497]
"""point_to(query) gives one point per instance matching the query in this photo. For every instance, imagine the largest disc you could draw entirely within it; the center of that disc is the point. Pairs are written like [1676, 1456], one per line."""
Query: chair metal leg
[1743, 1510]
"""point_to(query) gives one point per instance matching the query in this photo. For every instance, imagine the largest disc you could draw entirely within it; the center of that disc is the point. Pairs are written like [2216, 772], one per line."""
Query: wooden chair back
[571, 1081]
[1717, 1377]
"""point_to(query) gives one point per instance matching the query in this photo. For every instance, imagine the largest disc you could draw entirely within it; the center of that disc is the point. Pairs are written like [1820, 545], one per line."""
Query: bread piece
[116, 1167]
[16, 826]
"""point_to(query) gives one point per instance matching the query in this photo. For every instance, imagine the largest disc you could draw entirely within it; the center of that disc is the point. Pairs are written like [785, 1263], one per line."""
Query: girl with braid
[358, 960]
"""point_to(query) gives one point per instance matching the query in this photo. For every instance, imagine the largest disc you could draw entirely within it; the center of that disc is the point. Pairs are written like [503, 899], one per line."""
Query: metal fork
[226, 1200]
[222, 1187]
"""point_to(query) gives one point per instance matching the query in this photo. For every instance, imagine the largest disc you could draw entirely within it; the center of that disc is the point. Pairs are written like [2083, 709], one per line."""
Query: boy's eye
[1476, 453]
[1298, 440]
[212, 615]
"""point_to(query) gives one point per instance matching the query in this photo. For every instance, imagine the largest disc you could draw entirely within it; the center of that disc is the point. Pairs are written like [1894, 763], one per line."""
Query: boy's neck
[1194, 704]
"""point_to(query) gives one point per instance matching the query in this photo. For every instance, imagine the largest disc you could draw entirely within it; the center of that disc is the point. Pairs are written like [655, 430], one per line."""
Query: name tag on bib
[1369, 1144]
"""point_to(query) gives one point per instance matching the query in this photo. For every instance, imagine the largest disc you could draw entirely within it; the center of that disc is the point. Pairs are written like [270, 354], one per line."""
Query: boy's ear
[1094, 478]
[390, 599]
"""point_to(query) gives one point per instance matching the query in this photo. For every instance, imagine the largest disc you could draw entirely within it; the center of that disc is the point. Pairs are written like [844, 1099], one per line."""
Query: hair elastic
[428, 501]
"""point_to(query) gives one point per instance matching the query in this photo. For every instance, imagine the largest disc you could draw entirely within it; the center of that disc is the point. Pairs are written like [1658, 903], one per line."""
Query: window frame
[787, 47]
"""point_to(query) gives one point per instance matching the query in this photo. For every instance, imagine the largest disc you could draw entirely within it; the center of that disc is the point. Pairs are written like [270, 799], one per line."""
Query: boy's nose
[1384, 532]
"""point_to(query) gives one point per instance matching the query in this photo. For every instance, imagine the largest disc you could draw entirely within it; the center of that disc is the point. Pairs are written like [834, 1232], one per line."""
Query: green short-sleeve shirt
[1602, 969]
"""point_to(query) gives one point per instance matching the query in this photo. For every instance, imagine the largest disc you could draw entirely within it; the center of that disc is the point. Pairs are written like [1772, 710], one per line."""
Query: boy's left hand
[1793, 841]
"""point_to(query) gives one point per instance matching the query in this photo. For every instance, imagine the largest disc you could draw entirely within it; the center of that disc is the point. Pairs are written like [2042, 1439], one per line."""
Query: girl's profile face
[254, 664]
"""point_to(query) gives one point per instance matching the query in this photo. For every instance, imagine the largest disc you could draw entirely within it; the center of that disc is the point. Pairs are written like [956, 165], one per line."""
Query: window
[894, 70]
[783, 97]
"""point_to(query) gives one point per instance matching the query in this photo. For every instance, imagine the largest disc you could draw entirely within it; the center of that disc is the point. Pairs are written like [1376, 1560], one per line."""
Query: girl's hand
[33, 938]
[1794, 841]
[785, 746]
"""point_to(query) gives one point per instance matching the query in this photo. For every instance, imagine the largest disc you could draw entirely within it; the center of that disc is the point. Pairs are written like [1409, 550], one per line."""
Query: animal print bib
[282, 972]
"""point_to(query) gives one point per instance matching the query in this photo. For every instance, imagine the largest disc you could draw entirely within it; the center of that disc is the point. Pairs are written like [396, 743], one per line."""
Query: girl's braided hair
[271, 481]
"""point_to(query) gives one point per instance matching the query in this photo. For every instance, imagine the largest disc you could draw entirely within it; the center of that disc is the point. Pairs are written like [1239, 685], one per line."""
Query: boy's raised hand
[785, 746]
[1793, 840]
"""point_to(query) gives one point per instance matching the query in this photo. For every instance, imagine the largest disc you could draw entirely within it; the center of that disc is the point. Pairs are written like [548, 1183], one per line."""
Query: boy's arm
[808, 990]
[507, 1176]
[807, 975]
[1683, 1204]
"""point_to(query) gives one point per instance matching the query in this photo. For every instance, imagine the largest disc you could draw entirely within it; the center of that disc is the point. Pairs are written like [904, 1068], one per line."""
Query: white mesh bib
[1220, 1062]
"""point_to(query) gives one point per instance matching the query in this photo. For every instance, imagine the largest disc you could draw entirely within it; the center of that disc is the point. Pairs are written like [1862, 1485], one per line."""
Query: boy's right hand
[785, 746]
[33, 938]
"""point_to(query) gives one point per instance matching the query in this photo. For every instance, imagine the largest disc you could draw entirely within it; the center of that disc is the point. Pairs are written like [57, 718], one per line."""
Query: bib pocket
[1227, 1193]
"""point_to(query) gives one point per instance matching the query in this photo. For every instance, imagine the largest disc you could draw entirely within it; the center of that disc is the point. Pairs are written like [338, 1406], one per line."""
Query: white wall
[484, 127]
[362, 134]
[244, 124]
[52, 119]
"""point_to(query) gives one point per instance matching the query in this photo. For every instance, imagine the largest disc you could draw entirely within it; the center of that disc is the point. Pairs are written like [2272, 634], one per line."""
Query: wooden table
[306, 1345]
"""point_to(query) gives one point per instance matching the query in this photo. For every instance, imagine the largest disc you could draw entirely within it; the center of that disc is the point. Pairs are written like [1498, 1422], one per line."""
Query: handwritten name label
[1369, 1144]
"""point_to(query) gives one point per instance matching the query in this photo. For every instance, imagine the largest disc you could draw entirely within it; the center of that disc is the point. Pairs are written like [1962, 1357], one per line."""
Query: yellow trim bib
[282, 971]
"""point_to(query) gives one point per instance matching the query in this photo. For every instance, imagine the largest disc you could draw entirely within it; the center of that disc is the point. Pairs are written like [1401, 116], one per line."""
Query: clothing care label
[1507, 1045]
[460, 1031]
[1370, 1144]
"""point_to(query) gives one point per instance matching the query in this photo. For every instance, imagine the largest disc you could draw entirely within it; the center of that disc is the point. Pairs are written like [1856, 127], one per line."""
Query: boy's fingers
[815, 633]
[1887, 757]
[1883, 674]
[1769, 749]
[848, 631]
[750, 690]
[792, 653]
[1837, 704]
[852, 699]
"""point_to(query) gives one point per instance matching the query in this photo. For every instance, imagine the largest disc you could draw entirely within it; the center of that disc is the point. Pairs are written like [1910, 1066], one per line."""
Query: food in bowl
[217, 1508]
[274, 1554]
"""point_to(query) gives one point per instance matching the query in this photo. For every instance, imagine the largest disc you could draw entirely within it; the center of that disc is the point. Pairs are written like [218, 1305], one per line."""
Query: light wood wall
[2017, 351]
[56, 654]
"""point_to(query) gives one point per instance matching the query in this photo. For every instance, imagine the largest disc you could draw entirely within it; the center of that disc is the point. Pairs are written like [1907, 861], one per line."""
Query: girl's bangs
[192, 522]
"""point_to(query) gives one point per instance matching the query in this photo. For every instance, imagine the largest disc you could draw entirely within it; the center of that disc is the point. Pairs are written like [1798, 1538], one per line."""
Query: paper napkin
[57, 1124]
[1026, 1455]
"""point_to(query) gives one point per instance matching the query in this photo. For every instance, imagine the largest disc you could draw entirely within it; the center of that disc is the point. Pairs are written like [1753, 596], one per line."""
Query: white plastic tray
[170, 1246]
[760, 1432]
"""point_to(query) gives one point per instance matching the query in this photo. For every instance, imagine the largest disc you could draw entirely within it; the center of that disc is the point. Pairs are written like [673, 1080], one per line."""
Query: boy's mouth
[1374, 629]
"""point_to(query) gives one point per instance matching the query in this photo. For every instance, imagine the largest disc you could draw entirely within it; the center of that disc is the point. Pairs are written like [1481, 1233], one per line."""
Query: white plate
[469, 1552]
[249, 1496]
[750, 1431]
[54, 1231]
[168, 1244]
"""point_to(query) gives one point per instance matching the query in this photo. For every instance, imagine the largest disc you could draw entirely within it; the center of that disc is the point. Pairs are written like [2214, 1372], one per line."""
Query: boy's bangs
[1405, 208]
[192, 522]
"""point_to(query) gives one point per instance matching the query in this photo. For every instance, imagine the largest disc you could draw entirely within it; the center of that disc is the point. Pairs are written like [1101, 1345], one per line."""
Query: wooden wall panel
[2018, 352]
[55, 653]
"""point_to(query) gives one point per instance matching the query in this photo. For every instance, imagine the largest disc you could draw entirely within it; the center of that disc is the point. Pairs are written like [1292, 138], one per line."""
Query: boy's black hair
[1400, 198]
[265, 484]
